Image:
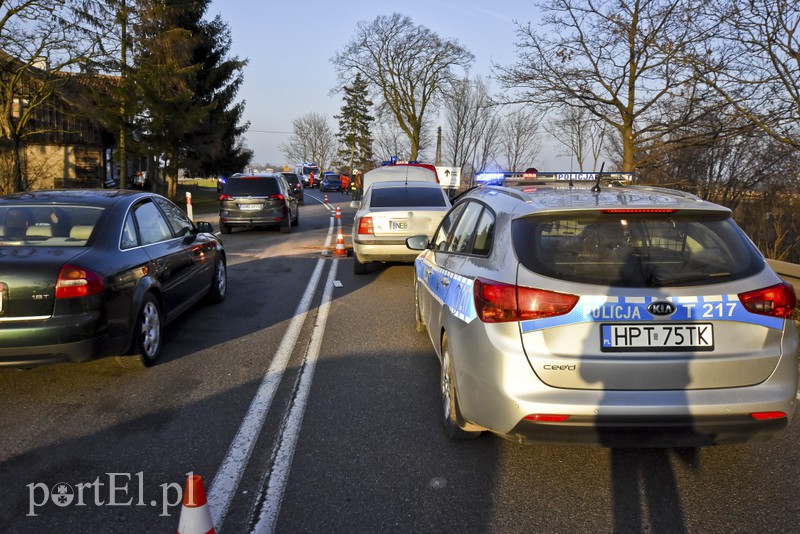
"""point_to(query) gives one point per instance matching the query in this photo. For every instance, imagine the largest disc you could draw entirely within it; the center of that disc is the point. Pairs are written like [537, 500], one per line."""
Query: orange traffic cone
[326, 199]
[195, 515]
[338, 212]
[340, 250]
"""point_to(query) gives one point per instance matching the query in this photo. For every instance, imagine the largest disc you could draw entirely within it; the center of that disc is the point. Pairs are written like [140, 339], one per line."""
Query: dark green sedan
[92, 273]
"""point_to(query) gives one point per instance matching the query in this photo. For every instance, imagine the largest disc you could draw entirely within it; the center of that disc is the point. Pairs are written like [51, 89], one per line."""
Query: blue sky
[289, 45]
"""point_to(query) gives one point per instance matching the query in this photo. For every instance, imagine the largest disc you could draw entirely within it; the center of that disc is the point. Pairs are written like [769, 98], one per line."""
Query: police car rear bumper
[629, 432]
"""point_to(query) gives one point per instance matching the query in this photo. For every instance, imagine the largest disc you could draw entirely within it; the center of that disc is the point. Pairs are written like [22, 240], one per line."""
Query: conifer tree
[355, 134]
[214, 147]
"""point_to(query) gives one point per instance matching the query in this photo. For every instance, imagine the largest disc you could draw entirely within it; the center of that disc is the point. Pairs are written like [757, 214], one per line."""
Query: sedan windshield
[47, 225]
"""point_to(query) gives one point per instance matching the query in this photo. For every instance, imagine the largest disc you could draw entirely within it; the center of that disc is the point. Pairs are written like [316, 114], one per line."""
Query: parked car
[296, 185]
[93, 273]
[628, 316]
[389, 213]
[330, 182]
[257, 200]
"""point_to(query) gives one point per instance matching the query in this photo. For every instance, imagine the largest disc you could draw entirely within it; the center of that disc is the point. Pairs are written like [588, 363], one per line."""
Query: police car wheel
[451, 413]
[419, 326]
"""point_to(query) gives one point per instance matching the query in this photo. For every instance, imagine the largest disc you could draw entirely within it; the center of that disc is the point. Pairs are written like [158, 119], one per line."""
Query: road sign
[449, 177]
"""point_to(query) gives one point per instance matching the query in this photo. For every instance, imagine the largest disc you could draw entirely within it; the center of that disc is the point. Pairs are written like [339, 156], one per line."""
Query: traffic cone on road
[326, 199]
[195, 515]
[338, 212]
[340, 250]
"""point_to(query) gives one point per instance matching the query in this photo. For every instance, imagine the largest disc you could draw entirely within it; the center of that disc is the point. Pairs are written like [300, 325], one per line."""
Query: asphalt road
[308, 403]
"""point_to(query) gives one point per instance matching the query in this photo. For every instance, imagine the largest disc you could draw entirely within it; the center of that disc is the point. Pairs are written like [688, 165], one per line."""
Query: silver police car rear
[640, 327]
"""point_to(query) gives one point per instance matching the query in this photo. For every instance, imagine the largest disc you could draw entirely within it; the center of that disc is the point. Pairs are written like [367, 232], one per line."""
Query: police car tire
[451, 413]
[419, 326]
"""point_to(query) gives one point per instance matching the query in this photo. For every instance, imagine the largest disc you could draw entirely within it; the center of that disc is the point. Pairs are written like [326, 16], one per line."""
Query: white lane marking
[287, 443]
[230, 472]
[330, 236]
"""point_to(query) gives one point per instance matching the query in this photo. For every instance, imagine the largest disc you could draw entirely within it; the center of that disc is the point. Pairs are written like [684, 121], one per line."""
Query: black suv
[296, 185]
[257, 200]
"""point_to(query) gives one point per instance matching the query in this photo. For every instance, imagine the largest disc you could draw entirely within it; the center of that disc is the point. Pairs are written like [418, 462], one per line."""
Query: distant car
[257, 200]
[296, 185]
[330, 182]
[624, 316]
[139, 180]
[93, 273]
[389, 213]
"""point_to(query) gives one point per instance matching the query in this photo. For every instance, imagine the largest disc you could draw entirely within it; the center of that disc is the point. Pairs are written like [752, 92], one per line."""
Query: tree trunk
[628, 149]
[16, 168]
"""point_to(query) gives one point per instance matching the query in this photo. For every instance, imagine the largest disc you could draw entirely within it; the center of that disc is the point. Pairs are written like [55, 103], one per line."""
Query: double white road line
[223, 488]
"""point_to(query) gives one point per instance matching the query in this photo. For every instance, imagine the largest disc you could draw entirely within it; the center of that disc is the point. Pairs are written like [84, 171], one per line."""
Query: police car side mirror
[417, 242]
[355, 204]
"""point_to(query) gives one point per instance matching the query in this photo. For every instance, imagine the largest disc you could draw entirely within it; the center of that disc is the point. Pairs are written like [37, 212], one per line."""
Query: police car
[613, 315]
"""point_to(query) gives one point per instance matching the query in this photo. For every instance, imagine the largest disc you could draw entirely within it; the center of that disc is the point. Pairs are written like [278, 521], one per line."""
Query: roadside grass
[205, 198]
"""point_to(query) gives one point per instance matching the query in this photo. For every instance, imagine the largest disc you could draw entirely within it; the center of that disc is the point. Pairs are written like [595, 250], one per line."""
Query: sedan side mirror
[355, 204]
[204, 227]
[417, 242]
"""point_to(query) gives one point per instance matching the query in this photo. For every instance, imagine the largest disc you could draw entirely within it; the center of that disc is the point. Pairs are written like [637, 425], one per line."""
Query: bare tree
[520, 140]
[582, 134]
[752, 59]
[619, 59]
[471, 126]
[390, 141]
[313, 140]
[408, 68]
[487, 147]
[40, 42]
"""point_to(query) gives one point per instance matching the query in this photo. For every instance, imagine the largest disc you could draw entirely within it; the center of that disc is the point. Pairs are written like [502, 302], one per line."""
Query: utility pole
[439, 146]
[123, 112]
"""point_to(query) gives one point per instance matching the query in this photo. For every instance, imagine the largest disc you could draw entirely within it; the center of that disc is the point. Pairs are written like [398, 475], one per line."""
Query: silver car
[628, 316]
[389, 213]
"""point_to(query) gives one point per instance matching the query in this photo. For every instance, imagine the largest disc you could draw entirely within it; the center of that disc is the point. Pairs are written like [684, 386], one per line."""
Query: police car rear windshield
[636, 250]
[407, 197]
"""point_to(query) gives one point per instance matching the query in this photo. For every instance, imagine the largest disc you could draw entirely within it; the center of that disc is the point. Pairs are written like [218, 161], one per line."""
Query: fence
[788, 271]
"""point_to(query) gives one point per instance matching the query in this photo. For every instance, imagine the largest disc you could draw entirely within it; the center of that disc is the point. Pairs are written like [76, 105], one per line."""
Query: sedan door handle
[445, 281]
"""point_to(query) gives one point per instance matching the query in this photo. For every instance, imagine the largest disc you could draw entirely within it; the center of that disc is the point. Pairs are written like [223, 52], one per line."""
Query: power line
[268, 131]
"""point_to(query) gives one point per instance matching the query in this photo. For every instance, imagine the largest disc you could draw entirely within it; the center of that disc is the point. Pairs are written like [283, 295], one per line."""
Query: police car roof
[562, 197]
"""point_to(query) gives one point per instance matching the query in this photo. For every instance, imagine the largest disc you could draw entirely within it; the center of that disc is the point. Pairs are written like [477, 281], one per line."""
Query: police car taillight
[496, 302]
[777, 301]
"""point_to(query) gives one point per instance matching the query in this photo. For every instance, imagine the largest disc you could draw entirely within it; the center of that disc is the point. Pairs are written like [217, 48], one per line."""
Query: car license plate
[657, 337]
[398, 225]
[250, 207]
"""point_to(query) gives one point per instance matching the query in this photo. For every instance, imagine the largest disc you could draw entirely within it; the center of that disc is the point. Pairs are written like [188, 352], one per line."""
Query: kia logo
[662, 308]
